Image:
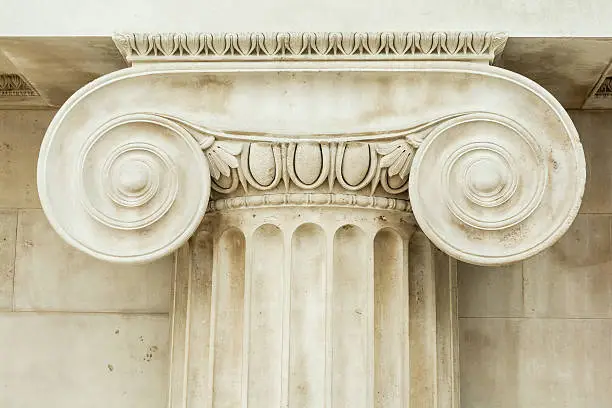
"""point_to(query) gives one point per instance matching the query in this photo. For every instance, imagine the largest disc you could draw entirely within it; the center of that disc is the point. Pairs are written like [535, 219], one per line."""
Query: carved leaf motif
[389, 43]
[402, 43]
[361, 43]
[219, 44]
[193, 43]
[231, 44]
[222, 158]
[296, 43]
[207, 40]
[479, 41]
[463, 40]
[280, 44]
[397, 157]
[166, 43]
[246, 44]
[451, 45]
[427, 43]
[374, 43]
[310, 40]
[322, 45]
[259, 47]
[348, 43]
[141, 43]
[335, 44]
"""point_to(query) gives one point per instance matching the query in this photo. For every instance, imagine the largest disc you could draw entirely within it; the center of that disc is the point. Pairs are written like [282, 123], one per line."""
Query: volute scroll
[134, 191]
[486, 161]
[488, 191]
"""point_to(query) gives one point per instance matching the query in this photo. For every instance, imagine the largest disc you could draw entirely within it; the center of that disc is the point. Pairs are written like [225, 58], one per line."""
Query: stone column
[316, 189]
[313, 306]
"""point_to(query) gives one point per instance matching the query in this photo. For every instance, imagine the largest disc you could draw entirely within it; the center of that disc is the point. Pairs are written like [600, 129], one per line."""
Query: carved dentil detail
[309, 45]
[15, 85]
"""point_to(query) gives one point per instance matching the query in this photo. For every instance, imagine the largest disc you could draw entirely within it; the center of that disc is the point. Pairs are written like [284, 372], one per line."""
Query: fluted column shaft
[312, 306]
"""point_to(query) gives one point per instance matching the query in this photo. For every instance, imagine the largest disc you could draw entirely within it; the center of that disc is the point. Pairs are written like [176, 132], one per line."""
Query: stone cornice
[290, 46]
[605, 89]
[490, 163]
[15, 85]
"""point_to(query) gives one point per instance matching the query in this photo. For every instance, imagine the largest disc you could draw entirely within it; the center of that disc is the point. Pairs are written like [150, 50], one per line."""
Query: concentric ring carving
[474, 178]
[477, 181]
[138, 178]
[142, 186]
[481, 183]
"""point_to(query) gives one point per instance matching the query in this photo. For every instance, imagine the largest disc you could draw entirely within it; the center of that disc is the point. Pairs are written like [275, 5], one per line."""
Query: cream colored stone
[599, 96]
[544, 363]
[83, 360]
[572, 279]
[491, 180]
[569, 280]
[304, 285]
[491, 291]
[568, 67]
[50, 275]
[21, 132]
[8, 234]
[595, 129]
[58, 67]
[313, 306]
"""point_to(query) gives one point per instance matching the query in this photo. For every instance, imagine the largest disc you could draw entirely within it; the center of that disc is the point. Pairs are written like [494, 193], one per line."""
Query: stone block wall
[74, 332]
[538, 333]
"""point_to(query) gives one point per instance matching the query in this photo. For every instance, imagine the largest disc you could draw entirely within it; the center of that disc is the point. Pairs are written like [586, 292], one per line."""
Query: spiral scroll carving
[477, 183]
[142, 184]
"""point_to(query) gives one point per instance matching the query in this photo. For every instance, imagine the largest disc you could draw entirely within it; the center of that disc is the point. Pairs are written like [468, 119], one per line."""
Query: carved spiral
[138, 188]
[482, 186]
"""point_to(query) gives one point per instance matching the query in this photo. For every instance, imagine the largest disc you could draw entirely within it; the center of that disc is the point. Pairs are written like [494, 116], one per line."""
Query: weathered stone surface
[595, 128]
[77, 360]
[547, 363]
[21, 132]
[8, 234]
[490, 291]
[569, 280]
[572, 279]
[314, 306]
[51, 275]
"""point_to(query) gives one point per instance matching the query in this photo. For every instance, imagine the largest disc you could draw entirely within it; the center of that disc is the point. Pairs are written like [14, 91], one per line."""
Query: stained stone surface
[41, 285]
[8, 230]
[76, 360]
[524, 362]
[21, 133]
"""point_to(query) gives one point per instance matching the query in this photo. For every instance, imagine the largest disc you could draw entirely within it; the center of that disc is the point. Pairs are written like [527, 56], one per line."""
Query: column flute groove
[286, 325]
[329, 333]
[246, 332]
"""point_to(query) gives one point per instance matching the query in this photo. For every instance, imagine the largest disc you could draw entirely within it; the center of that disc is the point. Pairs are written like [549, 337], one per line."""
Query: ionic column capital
[487, 162]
